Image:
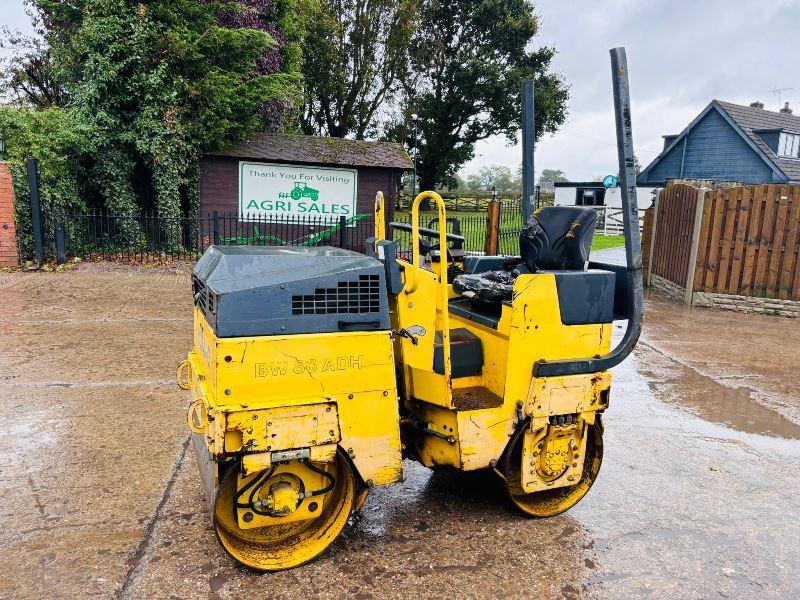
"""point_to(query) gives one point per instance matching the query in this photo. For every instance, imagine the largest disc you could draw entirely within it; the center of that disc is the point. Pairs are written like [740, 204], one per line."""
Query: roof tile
[751, 119]
[311, 149]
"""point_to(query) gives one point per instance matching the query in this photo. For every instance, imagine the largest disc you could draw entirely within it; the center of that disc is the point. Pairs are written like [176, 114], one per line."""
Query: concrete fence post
[688, 292]
[9, 256]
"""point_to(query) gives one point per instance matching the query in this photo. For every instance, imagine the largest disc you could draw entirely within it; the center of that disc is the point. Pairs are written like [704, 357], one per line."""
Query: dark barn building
[378, 166]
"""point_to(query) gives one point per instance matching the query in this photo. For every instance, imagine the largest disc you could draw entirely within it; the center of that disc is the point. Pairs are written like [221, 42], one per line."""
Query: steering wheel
[430, 248]
[424, 232]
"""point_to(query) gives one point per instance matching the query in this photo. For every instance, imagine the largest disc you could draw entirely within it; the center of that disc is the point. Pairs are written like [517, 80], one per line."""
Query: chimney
[757, 104]
[786, 110]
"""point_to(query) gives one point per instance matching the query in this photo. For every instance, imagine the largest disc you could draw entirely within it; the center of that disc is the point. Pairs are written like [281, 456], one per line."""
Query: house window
[789, 145]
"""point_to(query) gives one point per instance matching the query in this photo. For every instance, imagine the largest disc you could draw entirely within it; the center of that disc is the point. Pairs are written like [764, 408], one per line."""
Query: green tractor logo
[301, 190]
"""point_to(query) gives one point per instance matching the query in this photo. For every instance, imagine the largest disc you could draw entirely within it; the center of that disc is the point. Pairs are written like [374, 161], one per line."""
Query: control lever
[413, 333]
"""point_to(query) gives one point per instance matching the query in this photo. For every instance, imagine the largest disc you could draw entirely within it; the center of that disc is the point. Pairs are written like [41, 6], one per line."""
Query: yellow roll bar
[380, 219]
[412, 274]
[411, 282]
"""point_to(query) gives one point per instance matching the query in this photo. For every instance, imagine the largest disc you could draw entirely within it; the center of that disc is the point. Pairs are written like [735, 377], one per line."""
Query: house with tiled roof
[731, 143]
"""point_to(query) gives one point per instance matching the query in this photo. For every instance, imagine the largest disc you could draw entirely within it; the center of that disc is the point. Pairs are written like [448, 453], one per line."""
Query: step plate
[475, 398]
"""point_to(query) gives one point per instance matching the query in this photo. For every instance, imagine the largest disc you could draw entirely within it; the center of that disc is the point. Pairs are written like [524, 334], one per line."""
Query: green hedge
[52, 136]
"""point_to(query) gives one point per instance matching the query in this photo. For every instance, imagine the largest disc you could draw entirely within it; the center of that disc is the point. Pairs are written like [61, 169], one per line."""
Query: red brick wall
[219, 186]
[8, 232]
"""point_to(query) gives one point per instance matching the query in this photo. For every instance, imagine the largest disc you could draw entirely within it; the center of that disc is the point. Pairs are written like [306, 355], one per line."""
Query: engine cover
[279, 290]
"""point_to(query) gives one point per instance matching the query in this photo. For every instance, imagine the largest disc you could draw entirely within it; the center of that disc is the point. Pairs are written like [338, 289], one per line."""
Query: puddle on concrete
[712, 401]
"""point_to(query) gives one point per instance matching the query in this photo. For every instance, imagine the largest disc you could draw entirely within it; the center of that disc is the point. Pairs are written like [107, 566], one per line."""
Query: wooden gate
[671, 247]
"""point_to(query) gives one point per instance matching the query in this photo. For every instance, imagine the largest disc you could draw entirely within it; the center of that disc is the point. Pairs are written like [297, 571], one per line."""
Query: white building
[592, 193]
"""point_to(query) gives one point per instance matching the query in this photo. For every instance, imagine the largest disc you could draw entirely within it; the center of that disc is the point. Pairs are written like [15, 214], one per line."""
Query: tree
[468, 59]
[356, 51]
[28, 74]
[284, 23]
[458, 184]
[155, 84]
[552, 176]
[54, 137]
[493, 176]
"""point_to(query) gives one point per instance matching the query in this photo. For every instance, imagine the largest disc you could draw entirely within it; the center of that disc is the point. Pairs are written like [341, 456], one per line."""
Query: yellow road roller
[316, 370]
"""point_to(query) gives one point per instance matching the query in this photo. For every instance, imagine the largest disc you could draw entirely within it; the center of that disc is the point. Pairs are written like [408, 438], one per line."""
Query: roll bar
[633, 249]
[380, 219]
[412, 275]
[411, 286]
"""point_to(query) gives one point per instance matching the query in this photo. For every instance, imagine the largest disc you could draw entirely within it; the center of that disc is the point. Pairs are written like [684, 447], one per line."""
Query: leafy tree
[494, 176]
[468, 59]
[152, 85]
[53, 136]
[552, 176]
[283, 22]
[28, 73]
[356, 52]
[457, 184]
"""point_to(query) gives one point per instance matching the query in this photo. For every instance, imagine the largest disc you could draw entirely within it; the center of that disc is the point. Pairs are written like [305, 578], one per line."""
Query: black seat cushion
[558, 238]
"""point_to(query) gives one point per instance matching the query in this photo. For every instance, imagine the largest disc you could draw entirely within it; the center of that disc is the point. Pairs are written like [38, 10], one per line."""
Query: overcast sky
[681, 54]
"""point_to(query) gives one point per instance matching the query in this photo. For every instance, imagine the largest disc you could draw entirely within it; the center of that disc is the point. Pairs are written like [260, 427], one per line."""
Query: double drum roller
[315, 370]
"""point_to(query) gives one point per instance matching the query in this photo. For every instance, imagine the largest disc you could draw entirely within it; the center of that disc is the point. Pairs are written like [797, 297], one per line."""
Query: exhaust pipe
[633, 246]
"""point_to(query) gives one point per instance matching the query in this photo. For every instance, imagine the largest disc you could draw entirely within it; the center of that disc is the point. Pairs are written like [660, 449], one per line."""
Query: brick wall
[219, 186]
[8, 232]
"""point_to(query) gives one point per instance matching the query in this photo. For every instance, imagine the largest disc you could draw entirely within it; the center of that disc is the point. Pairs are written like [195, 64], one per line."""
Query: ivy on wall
[148, 87]
[56, 139]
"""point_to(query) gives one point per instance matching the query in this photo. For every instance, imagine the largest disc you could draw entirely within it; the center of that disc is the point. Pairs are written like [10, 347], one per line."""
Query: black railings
[150, 235]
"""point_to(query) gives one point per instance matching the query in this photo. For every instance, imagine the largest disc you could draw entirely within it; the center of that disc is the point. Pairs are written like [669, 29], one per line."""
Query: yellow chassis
[260, 396]
[528, 331]
[291, 430]
[294, 414]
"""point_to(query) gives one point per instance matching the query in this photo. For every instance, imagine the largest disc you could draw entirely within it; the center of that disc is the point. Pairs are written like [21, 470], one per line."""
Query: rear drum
[549, 503]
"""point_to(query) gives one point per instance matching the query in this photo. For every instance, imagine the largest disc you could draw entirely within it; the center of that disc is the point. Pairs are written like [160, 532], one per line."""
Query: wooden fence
[733, 242]
[749, 242]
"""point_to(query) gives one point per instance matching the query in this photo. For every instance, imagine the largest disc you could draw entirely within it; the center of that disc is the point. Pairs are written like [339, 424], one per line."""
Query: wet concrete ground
[99, 496]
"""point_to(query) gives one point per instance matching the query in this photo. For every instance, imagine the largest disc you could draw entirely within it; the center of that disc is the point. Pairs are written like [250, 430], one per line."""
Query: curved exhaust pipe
[633, 247]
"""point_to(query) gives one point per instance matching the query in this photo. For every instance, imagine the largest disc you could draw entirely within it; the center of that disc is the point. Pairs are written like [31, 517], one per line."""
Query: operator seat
[556, 238]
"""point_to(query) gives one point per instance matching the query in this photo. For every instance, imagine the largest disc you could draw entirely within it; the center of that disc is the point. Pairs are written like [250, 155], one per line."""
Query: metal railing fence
[102, 235]
[93, 235]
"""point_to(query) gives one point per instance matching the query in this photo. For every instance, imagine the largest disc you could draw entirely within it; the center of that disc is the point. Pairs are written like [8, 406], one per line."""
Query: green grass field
[601, 242]
[473, 228]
